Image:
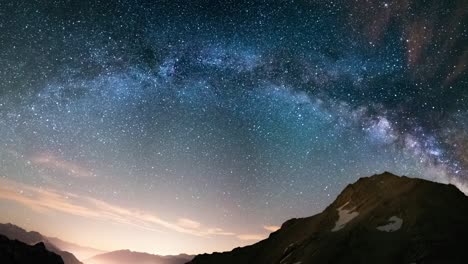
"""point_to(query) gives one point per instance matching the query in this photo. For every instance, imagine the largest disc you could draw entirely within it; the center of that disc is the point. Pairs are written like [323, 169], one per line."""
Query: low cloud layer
[43, 200]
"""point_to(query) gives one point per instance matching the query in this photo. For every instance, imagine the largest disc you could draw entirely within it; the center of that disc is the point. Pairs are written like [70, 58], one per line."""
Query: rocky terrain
[379, 219]
[16, 252]
[31, 238]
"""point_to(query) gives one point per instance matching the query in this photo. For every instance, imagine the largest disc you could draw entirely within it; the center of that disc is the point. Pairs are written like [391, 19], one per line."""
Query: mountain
[80, 252]
[31, 238]
[379, 219]
[16, 252]
[127, 256]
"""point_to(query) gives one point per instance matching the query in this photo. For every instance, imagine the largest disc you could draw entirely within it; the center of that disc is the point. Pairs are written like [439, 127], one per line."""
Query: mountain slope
[80, 252]
[31, 238]
[16, 252]
[379, 219]
[127, 256]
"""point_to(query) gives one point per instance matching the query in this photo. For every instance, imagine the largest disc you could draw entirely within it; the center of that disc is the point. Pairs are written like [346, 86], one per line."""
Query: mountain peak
[378, 219]
[14, 251]
[387, 186]
[40, 245]
[12, 231]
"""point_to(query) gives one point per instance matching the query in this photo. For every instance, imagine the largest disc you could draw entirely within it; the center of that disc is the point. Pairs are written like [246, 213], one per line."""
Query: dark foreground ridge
[379, 219]
[16, 252]
[14, 232]
[31, 238]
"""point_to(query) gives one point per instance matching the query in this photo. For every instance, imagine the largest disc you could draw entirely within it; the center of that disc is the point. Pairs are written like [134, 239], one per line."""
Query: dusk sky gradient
[197, 126]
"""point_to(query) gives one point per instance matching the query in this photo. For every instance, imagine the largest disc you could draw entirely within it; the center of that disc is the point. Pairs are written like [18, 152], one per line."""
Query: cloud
[271, 228]
[43, 200]
[187, 223]
[52, 162]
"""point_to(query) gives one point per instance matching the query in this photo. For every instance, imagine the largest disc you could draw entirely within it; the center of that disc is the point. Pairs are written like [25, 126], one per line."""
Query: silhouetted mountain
[378, 219]
[31, 238]
[127, 256]
[78, 251]
[16, 252]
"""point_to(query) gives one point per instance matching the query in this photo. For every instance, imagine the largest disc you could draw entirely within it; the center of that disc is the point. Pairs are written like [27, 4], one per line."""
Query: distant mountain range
[16, 252]
[379, 219]
[87, 255]
[80, 252]
[127, 256]
[31, 238]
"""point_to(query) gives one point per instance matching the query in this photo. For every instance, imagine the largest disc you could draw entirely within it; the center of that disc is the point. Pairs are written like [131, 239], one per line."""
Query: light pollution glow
[197, 126]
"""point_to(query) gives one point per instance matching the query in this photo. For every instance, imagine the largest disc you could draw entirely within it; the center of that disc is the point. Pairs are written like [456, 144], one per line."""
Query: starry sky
[199, 126]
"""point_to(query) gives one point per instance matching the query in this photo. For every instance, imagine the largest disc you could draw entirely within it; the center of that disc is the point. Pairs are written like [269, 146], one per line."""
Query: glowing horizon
[176, 126]
[46, 201]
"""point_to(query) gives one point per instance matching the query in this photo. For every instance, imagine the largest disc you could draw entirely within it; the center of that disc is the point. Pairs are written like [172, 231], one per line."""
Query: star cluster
[225, 116]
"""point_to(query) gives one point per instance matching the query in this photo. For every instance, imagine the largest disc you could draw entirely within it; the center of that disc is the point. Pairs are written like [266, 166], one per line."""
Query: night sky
[198, 126]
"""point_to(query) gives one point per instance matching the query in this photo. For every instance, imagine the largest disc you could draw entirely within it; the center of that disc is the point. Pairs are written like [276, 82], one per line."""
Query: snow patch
[285, 258]
[394, 225]
[344, 216]
[286, 249]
